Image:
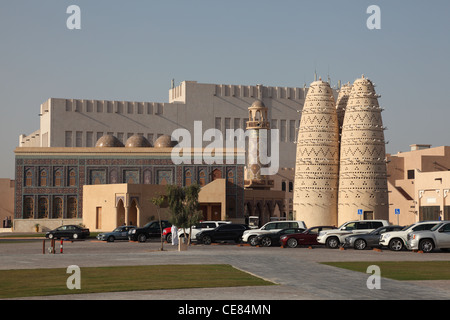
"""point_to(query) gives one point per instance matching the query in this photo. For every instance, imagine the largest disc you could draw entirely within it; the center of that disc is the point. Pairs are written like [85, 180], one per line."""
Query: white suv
[438, 237]
[333, 238]
[200, 227]
[396, 240]
[249, 236]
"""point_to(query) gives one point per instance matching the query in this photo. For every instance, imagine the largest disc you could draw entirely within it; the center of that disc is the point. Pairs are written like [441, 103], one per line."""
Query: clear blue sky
[130, 50]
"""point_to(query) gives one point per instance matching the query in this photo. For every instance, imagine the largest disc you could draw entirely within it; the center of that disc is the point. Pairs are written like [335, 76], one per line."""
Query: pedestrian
[174, 231]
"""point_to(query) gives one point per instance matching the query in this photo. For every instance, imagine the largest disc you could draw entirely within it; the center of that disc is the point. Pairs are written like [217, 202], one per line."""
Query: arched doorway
[120, 213]
[133, 213]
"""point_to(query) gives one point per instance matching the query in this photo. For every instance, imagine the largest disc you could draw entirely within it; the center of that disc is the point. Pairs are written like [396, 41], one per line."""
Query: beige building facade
[7, 188]
[419, 184]
[110, 205]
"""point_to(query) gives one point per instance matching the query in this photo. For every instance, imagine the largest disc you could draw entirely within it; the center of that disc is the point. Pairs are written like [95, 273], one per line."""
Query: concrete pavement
[297, 272]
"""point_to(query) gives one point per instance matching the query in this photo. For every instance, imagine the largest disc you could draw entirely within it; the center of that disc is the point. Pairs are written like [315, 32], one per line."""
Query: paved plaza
[297, 272]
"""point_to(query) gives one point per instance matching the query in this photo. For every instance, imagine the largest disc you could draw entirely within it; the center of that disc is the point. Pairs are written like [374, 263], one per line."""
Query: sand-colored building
[419, 184]
[6, 203]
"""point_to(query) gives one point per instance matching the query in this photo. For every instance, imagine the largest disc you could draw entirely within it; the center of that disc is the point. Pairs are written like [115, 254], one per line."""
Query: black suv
[150, 230]
[223, 232]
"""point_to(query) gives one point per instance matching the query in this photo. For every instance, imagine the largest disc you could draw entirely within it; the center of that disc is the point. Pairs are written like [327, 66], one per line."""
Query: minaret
[362, 173]
[258, 120]
[317, 160]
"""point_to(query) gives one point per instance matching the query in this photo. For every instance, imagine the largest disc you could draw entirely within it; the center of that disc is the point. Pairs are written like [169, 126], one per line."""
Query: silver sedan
[368, 240]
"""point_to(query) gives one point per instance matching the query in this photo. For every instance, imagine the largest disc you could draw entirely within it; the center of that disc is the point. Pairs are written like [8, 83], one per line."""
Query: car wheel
[142, 237]
[396, 245]
[206, 240]
[360, 244]
[75, 236]
[332, 243]
[110, 239]
[426, 245]
[266, 242]
[292, 243]
[252, 240]
[169, 238]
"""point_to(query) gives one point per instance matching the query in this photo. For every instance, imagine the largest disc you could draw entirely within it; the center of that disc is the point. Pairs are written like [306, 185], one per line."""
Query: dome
[108, 141]
[137, 141]
[258, 104]
[165, 141]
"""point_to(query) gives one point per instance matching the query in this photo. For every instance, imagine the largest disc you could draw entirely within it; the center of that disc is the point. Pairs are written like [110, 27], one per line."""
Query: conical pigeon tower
[362, 174]
[341, 103]
[317, 160]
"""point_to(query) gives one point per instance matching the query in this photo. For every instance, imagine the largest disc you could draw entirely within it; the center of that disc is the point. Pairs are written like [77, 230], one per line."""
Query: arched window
[72, 208]
[28, 208]
[216, 174]
[43, 178]
[230, 175]
[58, 175]
[202, 178]
[57, 208]
[72, 178]
[187, 177]
[43, 208]
[29, 178]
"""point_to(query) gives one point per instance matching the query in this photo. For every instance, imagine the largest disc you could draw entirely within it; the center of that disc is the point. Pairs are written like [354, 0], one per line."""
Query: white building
[80, 123]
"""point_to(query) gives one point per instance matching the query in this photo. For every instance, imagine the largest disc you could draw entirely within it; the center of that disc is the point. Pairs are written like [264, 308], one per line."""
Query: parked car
[150, 230]
[334, 238]
[396, 241]
[68, 231]
[249, 236]
[368, 240]
[167, 234]
[119, 233]
[436, 238]
[307, 237]
[200, 227]
[224, 232]
[273, 238]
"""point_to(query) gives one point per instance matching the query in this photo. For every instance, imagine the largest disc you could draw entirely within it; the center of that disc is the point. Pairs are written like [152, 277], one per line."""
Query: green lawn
[402, 270]
[42, 282]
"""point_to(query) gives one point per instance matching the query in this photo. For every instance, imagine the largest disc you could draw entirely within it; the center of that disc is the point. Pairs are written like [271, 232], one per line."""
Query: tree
[158, 202]
[183, 204]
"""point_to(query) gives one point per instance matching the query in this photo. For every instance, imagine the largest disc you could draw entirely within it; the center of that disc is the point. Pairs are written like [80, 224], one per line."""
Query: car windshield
[376, 231]
[436, 227]
[407, 227]
[149, 224]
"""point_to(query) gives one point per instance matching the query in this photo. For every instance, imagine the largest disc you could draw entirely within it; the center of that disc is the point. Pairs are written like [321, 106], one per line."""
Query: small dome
[165, 141]
[137, 141]
[258, 104]
[108, 141]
